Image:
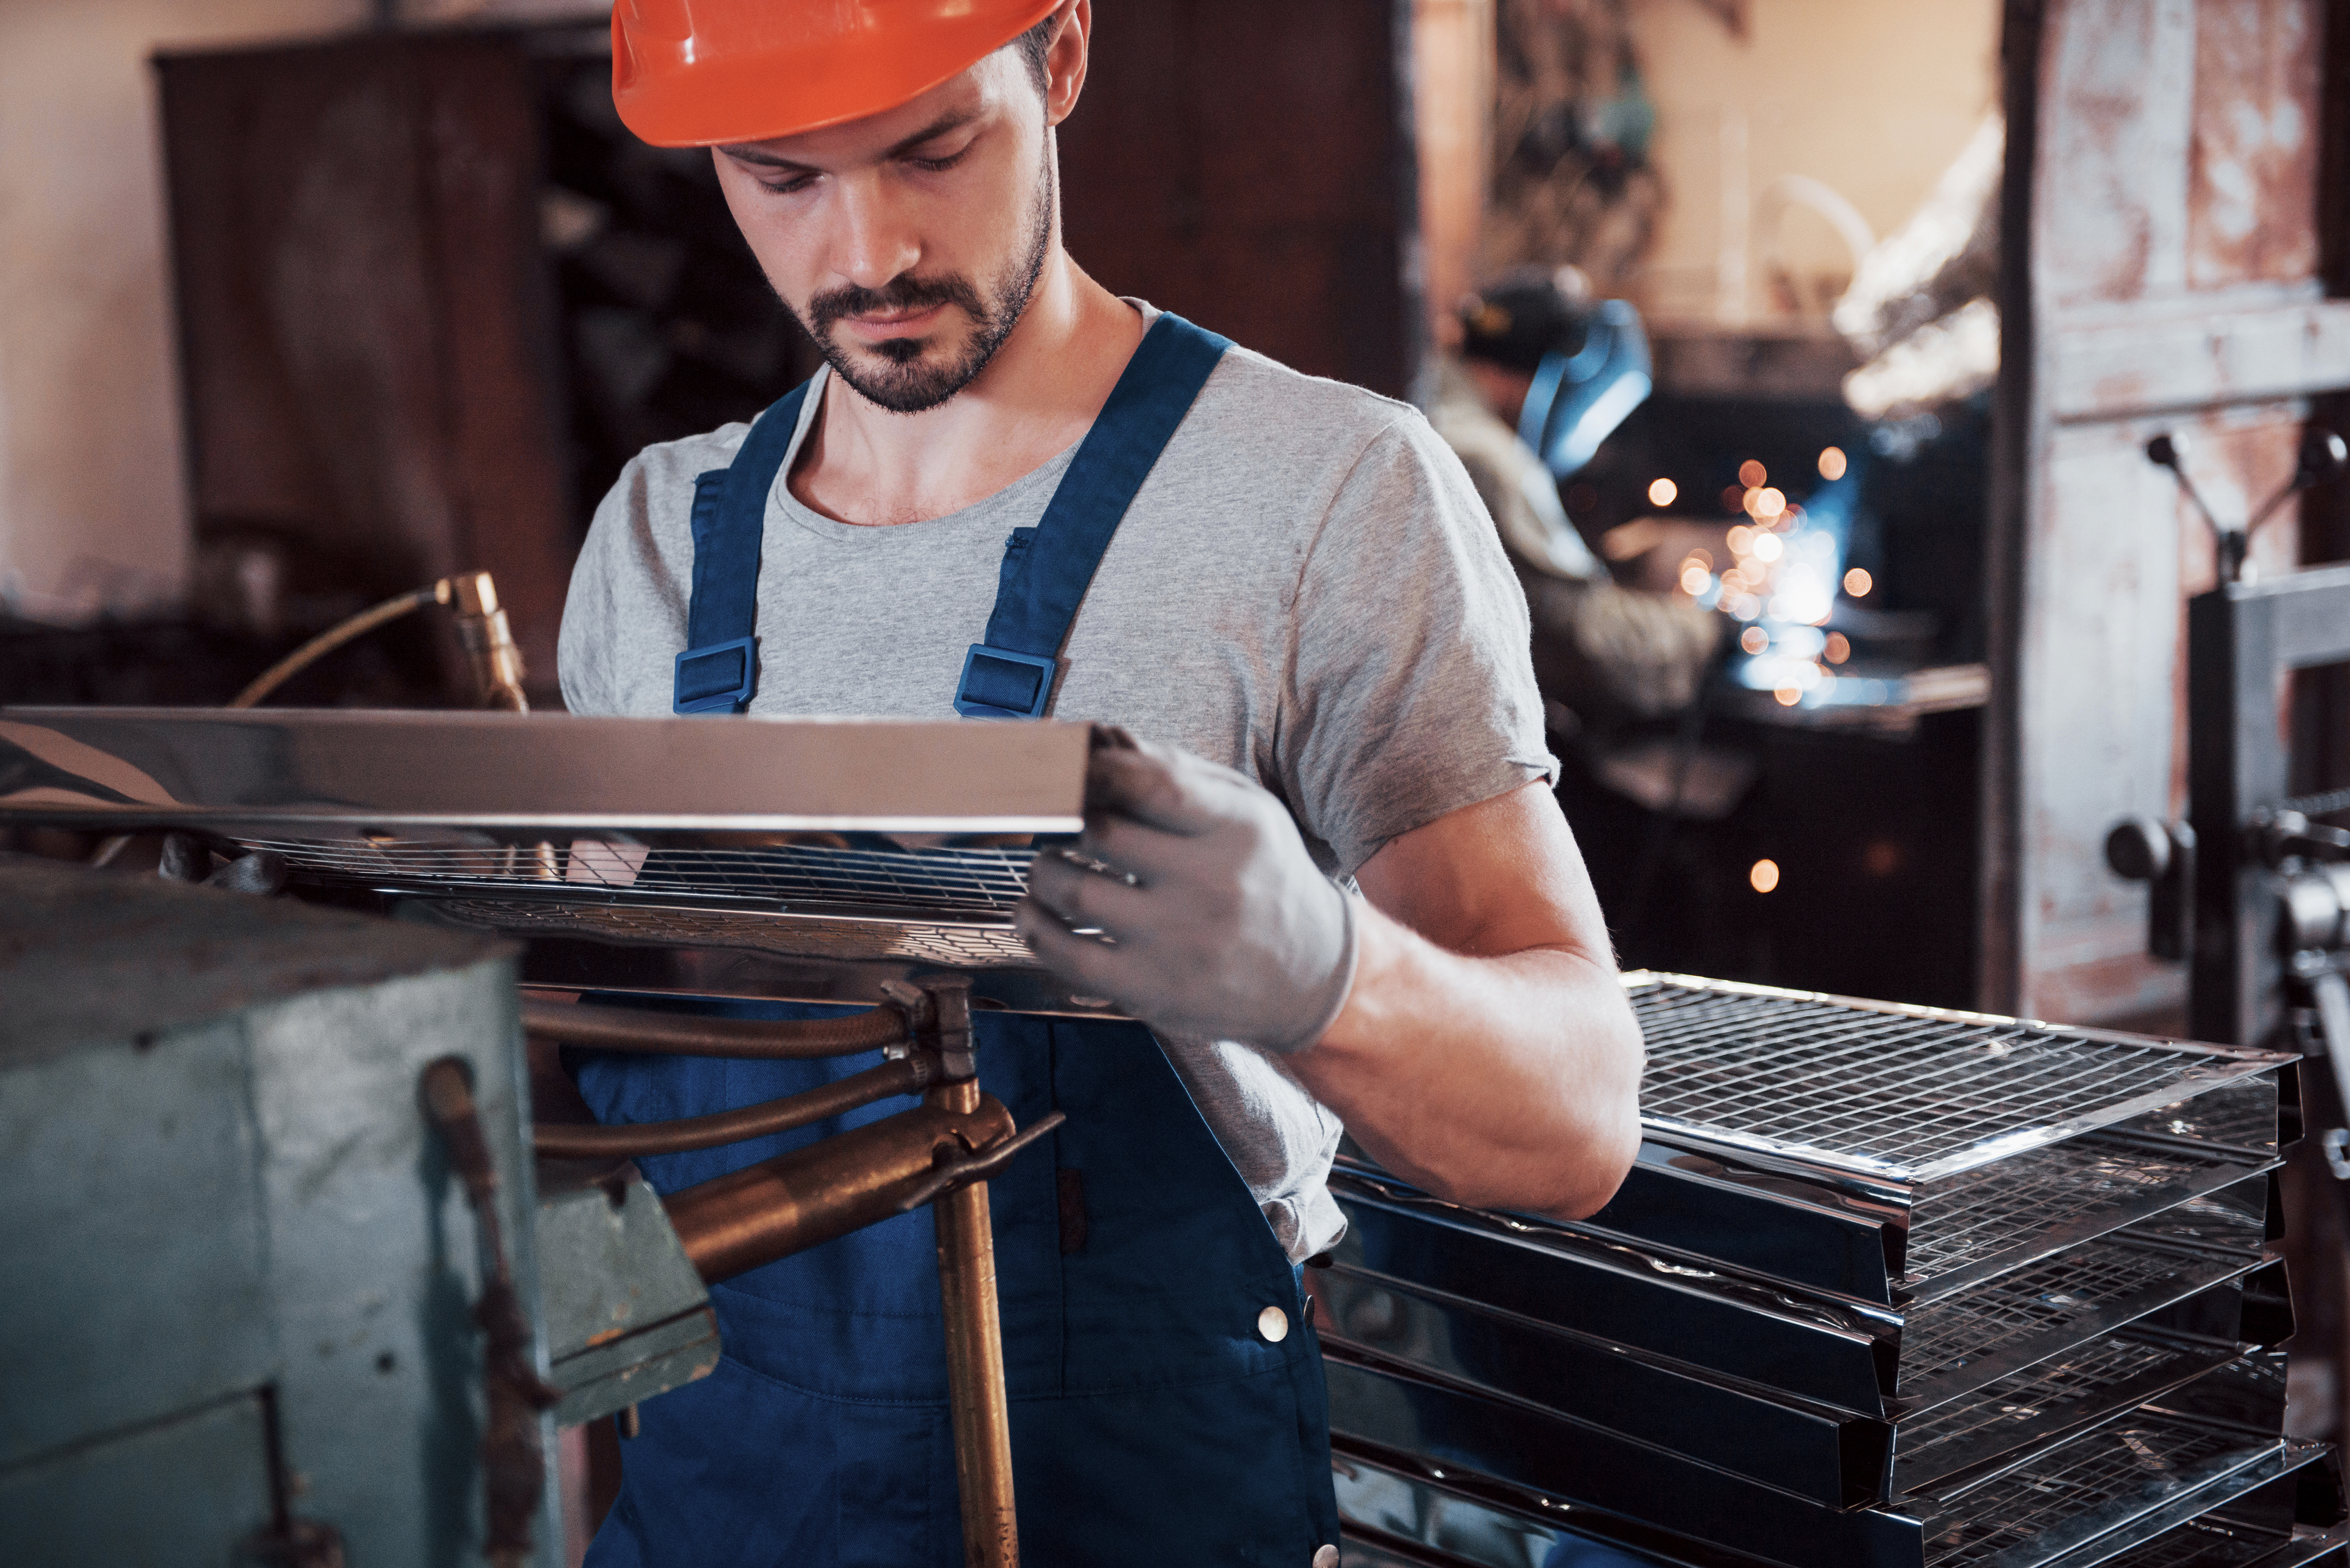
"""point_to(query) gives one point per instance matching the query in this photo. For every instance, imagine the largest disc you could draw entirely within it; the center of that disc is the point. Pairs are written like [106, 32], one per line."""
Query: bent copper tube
[686, 1034]
[790, 1203]
[906, 1075]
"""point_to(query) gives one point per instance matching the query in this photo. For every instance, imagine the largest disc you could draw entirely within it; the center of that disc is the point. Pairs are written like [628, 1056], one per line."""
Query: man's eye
[787, 187]
[939, 165]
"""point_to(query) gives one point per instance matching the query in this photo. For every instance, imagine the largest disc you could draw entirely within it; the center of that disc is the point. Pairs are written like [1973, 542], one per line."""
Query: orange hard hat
[704, 72]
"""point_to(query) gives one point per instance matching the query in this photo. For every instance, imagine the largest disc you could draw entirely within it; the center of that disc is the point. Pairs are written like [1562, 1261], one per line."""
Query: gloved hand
[1213, 921]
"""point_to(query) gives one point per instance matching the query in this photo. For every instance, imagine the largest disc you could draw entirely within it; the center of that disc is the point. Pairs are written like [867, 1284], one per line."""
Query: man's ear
[1065, 61]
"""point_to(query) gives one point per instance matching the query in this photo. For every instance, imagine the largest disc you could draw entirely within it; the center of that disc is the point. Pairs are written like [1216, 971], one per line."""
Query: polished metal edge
[747, 907]
[1384, 1410]
[1723, 1324]
[115, 768]
[1837, 1353]
[1458, 1432]
[1769, 1435]
[1832, 1455]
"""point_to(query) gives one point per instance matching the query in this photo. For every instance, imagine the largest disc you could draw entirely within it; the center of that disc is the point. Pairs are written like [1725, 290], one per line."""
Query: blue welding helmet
[1577, 400]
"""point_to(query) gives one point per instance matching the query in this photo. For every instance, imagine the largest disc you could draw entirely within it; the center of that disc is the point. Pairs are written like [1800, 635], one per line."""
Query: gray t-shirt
[1307, 589]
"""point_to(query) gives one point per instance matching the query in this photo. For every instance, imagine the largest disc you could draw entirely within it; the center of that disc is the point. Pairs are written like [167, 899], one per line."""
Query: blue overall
[1151, 1419]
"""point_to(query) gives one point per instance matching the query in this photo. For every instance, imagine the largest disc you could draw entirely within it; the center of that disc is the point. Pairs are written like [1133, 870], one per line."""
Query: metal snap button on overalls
[1273, 1324]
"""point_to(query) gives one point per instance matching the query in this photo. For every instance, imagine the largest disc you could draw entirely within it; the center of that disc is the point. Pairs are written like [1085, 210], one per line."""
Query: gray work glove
[1191, 903]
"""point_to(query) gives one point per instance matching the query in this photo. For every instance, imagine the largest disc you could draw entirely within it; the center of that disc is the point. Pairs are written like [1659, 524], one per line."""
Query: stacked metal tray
[1888, 1286]
[799, 859]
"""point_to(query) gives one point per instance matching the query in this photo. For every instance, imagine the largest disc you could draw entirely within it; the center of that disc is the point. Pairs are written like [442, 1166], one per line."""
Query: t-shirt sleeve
[615, 598]
[1411, 693]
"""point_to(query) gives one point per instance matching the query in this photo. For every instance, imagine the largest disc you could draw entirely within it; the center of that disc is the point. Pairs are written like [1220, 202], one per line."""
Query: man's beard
[906, 385]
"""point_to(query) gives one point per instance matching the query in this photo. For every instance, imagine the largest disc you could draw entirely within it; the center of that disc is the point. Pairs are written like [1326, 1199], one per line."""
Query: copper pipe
[906, 1075]
[685, 1035]
[975, 1331]
[796, 1200]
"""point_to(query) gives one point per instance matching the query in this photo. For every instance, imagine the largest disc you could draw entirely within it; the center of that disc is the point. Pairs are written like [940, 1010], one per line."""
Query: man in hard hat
[1010, 493]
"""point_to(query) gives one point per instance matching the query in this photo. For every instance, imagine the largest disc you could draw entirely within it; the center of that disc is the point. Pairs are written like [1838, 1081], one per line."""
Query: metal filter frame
[512, 778]
[807, 859]
[1871, 1094]
[1895, 1155]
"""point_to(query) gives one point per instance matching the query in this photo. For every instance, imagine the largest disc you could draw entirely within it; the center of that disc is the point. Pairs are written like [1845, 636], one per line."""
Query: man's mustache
[902, 293]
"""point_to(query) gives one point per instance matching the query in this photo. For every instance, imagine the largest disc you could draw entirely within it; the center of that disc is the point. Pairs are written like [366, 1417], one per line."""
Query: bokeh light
[1831, 462]
[1858, 583]
[1662, 492]
[1763, 875]
[1751, 473]
[1753, 639]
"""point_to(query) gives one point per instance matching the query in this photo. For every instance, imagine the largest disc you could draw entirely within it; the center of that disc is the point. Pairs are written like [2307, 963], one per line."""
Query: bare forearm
[1499, 1081]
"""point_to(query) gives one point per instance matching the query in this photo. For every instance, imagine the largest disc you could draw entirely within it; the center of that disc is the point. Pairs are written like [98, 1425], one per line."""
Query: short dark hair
[1034, 46]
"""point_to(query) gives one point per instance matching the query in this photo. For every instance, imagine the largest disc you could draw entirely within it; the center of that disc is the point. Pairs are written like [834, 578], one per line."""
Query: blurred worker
[1289, 587]
[1599, 649]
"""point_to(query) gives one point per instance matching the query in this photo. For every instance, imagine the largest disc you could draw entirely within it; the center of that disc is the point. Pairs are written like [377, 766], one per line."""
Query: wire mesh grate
[880, 877]
[2029, 1396]
[1900, 1090]
[2203, 1543]
[2138, 1458]
[2063, 1297]
[1995, 1209]
[953, 947]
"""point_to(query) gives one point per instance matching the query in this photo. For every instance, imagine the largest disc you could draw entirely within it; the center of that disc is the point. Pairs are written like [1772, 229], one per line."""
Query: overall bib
[1152, 1419]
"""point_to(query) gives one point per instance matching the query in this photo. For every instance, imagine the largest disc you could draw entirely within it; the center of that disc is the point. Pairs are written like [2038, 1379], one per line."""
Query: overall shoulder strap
[1011, 674]
[720, 667]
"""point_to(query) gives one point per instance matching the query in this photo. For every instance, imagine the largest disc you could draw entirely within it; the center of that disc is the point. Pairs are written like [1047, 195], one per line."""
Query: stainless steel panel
[265, 770]
[1832, 1456]
[1839, 1355]
[1398, 1518]
[2078, 1491]
[1846, 1354]
[1927, 1242]
[824, 843]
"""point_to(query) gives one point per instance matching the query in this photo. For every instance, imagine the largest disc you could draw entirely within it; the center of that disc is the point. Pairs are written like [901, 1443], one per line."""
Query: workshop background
[304, 303]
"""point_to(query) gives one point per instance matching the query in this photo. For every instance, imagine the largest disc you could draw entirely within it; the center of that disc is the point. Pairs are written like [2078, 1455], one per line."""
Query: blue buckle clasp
[717, 679]
[998, 683]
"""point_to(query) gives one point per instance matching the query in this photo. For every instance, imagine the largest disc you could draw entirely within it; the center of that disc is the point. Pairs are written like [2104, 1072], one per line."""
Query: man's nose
[875, 242]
